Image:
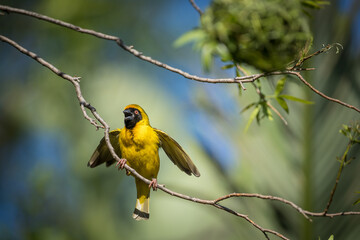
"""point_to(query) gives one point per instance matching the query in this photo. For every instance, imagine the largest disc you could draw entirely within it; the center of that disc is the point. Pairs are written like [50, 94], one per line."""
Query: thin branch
[342, 164]
[120, 42]
[216, 204]
[255, 195]
[196, 7]
[322, 94]
[277, 112]
[324, 49]
[133, 51]
[74, 80]
[331, 215]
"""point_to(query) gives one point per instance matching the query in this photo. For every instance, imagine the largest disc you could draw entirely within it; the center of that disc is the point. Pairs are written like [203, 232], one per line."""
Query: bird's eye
[136, 112]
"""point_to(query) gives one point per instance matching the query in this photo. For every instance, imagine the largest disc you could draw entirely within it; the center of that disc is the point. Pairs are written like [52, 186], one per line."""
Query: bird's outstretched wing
[176, 154]
[102, 153]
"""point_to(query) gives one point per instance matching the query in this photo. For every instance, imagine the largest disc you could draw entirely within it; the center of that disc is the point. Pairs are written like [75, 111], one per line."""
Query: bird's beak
[128, 114]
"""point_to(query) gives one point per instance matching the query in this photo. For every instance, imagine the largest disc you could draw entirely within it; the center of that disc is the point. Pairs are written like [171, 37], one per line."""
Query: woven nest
[267, 34]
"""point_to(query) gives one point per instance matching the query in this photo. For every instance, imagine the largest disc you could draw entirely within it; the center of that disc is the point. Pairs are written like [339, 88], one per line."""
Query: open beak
[128, 114]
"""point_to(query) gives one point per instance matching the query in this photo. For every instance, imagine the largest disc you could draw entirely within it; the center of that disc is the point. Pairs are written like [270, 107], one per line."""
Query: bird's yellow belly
[140, 147]
[144, 160]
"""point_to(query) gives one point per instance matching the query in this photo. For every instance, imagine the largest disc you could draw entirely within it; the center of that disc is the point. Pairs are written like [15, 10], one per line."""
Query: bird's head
[134, 114]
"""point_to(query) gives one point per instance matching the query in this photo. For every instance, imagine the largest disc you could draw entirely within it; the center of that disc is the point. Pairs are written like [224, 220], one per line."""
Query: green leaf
[331, 237]
[248, 107]
[206, 55]
[280, 86]
[310, 4]
[253, 115]
[266, 110]
[240, 89]
[228, 66]
[343, 132]
[283, 104]
[357, 201]
[223, 52]
[315, 4]
[269, 114]
[292, 98]
[238, 74]
[345, 127]
[191, 36]
[258, 117]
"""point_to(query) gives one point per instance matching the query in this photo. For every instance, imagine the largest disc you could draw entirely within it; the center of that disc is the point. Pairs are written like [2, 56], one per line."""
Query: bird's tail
[141, 211]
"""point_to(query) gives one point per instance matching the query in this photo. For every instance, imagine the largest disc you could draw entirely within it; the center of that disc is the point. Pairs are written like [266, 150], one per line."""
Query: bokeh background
[48, 192]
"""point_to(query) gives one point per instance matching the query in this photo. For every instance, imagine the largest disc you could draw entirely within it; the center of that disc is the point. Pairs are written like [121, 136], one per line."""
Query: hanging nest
[267, 34]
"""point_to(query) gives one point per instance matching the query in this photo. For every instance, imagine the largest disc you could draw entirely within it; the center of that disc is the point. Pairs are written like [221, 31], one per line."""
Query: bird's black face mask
[132, 116]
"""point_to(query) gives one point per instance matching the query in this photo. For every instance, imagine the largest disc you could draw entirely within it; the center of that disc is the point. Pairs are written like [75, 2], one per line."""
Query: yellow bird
[137, 144]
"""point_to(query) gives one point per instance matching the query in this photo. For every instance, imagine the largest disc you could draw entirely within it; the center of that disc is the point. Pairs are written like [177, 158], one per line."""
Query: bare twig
[216, 204]
[277, 112]
[133, 51]
[196, 7]
[74, 80]
[255, 195]
[120, 42]
[322, 94]
[324, 49]
[342, 164]
[331, 215]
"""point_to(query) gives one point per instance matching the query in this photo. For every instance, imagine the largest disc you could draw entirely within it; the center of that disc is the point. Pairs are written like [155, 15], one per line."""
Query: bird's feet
[121, 163]
[153, 184]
